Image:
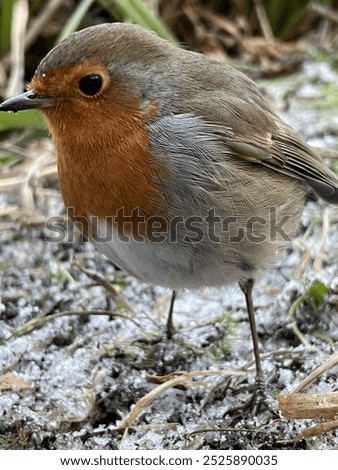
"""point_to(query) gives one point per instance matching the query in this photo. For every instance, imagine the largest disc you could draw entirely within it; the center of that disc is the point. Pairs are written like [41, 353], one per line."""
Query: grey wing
[256, 134]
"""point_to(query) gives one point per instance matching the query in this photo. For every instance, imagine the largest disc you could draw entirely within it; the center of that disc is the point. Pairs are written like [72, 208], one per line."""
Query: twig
[8, 210]
[17, 53]
[263, 21]
[39, 322]
[179, 378]
[12, 148]
[104, 283]
[220, 21]
[324, 11]
[332, 361]
[313, 431]
[36, 27]
[309, 405]
[39, 23]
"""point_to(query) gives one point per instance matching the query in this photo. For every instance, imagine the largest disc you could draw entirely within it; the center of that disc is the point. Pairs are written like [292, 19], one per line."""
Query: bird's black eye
[91, 84]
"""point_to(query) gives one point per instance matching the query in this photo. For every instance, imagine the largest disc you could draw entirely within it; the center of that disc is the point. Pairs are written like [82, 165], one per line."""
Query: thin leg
[170, 324]
[259, 397]
[247, 291]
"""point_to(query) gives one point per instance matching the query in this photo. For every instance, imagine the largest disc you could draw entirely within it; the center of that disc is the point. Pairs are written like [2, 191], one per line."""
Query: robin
[173, 164]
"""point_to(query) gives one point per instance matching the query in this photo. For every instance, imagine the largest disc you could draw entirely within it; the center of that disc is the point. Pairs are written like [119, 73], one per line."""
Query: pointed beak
[27, 100]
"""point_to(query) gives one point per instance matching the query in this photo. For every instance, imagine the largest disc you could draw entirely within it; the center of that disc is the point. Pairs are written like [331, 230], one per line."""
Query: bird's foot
[257, 402]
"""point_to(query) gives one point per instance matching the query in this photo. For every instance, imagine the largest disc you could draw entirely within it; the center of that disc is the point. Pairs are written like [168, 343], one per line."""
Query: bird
[173, 164]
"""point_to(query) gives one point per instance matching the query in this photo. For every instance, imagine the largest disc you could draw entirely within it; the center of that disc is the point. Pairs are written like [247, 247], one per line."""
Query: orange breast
[105, 163]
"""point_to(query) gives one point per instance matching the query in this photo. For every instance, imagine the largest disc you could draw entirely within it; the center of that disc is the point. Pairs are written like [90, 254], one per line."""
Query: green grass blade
[75, 19]
[24, 120]
[6, 11]
[139, 13]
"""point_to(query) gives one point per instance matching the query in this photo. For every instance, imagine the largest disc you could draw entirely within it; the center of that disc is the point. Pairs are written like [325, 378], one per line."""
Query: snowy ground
[75, 381]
